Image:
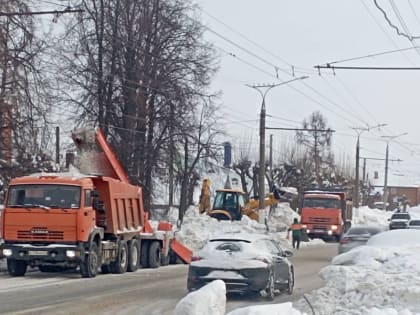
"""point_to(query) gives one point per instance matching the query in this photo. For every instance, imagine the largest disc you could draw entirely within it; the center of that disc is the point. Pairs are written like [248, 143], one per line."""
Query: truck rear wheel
[144, 254]
[133, 255]
[16, 268]
[154, 254]
[121, 263]
[89, 266]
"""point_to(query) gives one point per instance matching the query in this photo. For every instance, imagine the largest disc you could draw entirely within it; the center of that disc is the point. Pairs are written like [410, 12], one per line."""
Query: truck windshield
[321, 203]
[44, 196]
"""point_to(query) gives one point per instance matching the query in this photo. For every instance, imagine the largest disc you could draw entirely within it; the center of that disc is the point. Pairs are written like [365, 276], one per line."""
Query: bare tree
[317, 140]
[138, 68]
[24, 105]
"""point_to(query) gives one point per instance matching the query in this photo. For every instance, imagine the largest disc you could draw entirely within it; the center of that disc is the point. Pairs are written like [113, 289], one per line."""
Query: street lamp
[359, 131]
[263, 90]
[389, 139]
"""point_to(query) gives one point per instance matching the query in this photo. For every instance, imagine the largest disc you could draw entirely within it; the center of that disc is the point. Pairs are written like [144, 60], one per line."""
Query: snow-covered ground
[373, 279]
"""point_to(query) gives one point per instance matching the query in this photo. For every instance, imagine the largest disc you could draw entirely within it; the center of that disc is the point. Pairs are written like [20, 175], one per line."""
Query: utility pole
[263, 89]
[389, 139]
[359, 131]
[271, 158]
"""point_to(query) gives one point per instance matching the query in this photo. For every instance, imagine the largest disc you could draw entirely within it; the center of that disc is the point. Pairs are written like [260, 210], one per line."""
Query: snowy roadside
[375, 279]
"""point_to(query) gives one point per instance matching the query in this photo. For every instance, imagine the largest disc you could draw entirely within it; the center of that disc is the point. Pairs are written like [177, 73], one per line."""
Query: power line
[383, 30]
[328, 66]
[55, 12]
[374, 55]
[387, 19]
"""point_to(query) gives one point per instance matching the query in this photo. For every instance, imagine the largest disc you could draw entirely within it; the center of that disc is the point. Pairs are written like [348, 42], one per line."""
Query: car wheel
[270, 289]
[290, 282]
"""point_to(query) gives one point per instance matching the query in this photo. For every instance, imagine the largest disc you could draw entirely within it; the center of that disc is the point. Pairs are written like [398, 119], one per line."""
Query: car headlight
[334, 227]
[7, 252]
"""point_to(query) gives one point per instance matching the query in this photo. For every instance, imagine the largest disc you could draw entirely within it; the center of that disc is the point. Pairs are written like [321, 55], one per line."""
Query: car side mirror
[287, 253]
[389, 219]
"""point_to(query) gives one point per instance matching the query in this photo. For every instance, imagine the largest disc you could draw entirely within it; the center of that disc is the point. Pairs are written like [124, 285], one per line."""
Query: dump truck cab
[325, 214]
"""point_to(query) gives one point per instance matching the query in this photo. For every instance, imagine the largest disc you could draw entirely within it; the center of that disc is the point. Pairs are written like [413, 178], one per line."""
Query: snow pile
[382, 277]
[197, 228]
[209, 300]
[367, 216]
[278, 309]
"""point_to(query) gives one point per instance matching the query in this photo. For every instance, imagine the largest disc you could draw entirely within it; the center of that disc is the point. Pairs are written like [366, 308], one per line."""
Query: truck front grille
[47, 235]
[319, 220]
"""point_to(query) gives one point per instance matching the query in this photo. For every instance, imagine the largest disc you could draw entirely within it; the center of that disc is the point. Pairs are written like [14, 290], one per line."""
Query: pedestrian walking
[296, 229]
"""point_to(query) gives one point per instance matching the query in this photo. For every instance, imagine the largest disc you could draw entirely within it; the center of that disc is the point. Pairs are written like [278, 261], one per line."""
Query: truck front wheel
[16, 268]
[154, 254]
[89, 266]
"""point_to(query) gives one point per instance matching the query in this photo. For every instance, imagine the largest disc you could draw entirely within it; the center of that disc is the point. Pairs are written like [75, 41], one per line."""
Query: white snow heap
[209, 300]
[379, 278]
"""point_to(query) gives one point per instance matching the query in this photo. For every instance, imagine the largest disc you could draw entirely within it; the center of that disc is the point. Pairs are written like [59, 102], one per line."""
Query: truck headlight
[70, 253]
[334, 227]
[7, 252]
[304, 226]
[330, 232]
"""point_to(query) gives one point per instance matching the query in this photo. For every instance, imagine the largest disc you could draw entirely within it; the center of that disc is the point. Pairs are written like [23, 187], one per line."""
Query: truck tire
[121, 263]
[16, 268]
[144, 254]
[154, 254]
[89, 266]
[133, 255]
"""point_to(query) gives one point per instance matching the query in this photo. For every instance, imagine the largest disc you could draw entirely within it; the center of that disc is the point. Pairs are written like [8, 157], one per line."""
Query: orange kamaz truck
[325, 214]
[89, 218]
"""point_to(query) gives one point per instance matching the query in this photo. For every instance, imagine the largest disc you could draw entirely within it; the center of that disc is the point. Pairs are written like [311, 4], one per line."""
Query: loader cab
[228, 204]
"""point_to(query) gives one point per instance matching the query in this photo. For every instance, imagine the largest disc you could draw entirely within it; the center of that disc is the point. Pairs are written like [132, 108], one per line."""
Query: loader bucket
[181, 251]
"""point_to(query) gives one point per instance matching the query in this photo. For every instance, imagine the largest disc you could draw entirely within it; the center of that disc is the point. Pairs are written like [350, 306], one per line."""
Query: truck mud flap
[182, 251]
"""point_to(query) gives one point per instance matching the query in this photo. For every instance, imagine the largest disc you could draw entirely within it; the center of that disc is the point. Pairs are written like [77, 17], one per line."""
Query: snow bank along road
[147, 291]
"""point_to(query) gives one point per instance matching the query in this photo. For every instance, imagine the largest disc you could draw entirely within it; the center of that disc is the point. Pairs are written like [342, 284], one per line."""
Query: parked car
[399, 220]
[357, 236]
[414, 224]
[247, 263]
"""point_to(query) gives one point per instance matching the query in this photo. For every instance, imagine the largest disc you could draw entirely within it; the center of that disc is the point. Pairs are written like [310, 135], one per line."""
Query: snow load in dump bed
[95, 156]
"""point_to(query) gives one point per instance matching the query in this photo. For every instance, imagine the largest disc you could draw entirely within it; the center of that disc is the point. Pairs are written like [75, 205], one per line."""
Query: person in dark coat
[296, 229]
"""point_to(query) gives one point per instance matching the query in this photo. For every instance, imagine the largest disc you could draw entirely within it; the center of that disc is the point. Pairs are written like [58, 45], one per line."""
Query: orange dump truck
[325, 214]
[90, 218]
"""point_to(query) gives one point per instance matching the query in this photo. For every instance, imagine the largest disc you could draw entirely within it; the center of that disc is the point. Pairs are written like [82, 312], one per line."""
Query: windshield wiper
[31, 205]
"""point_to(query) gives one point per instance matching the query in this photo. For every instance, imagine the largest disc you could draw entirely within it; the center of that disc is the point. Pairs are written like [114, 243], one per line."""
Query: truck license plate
[319, 231]
[38, 252]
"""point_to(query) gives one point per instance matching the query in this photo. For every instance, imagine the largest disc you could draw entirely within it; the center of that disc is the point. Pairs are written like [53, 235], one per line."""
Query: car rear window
[229, 247]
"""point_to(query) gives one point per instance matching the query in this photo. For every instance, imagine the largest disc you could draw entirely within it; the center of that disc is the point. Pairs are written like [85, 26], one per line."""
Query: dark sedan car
[247, 263]
[357, 236]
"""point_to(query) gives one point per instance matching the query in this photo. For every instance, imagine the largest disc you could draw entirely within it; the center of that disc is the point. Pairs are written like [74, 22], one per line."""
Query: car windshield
[321, 203]
[44, 196]
[403, 216]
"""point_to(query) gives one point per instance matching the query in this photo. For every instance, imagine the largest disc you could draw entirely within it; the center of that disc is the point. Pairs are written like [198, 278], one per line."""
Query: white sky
[307, 33]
